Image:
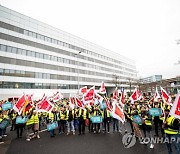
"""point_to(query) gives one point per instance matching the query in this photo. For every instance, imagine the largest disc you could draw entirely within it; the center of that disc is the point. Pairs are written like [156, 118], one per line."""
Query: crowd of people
[78, 121]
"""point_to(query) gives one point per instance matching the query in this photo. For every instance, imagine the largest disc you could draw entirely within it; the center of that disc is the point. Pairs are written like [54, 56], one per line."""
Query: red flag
[122, 99]
[166, 98]
[57, 96]
[102, 89]
[18, 107]
[156, 96]
[135, 95]
[175, 110]
[115, 94]
[44, 105]
[117, 113]
[79, 103]
[83, 90]
[89, 96]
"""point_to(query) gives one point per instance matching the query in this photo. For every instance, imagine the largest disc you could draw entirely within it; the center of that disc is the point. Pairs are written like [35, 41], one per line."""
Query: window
[34, 35]
[1, 71]
[30, 34]
[25, 32]
[24, 52]
[3, 47]
[9, 49]
[19, 51]
[33, 53]
[29, 53]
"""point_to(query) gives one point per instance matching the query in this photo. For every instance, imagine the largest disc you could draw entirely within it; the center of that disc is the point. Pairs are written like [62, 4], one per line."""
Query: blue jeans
[52, 133]
[70, 126]
[176, 143]
[115, 124]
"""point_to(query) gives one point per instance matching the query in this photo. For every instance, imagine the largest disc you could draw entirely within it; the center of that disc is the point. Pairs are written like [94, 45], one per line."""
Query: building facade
[154, 78]
[38, 58]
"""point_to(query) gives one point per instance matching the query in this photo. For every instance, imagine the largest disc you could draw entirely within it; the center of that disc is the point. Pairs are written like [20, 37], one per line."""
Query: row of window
[28, 74]
[24, 85]
[29, 33]
[53, 58]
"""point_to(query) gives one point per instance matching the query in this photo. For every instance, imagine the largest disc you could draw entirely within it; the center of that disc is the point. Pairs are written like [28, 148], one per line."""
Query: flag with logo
[122, 98]
[18, 107]
[117, 112]
[57, 96]
[136, 95]
[156, 96]
[115, 94]
[83, 90]
[175, 110]
[109, 107]
[102, 89]
[166, 98]
[89, 95]
[44, 105]
[79, 103]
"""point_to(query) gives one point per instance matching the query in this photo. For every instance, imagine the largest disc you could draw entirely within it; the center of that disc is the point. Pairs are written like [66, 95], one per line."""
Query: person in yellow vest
[106, 119]
[96, 126]
[82, 118]
[51, 118]
[36, 124]
[146, 124]
[62, 120]
[70, 121]
[171, 129]
[13, 115]
[5, 116]
[29, 124]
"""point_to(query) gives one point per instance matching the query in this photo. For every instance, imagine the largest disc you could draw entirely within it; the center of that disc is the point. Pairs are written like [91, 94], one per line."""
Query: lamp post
[77, 56]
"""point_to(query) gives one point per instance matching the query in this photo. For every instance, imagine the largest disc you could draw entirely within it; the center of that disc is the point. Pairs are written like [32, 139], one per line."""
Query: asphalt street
[89, 143]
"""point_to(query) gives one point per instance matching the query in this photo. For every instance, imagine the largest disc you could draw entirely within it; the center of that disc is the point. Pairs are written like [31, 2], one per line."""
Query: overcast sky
[143, 30]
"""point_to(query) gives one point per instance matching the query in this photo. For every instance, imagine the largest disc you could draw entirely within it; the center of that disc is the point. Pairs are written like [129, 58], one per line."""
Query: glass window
[34, 35]
[55, 41]
[30, 33]
[1, 71]
[33, 53]
[3, 47]
[29, 53]
[40, 75]
[19, 51]
[37, 55]
[42, 37]
[41, 55]
[24, 52]
[25, 32]
[38, 36]
[9, 49]
[45, 56]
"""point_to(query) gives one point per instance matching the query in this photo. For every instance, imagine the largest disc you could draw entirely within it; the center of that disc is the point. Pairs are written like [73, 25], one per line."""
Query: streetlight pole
[77, 56]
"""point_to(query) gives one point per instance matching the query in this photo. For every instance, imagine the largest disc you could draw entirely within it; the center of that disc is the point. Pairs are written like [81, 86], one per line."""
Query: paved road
[85, 144]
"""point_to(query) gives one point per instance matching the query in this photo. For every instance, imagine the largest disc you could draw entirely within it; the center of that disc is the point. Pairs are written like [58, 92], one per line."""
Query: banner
[155, 112]
[7, 106]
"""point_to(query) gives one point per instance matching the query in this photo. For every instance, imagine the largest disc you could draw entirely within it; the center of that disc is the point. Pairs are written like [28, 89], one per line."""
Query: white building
[38, 58]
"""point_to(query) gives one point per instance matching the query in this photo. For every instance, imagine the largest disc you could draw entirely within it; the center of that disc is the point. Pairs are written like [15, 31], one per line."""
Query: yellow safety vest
[30, 121]
[1, 119]
[108, 114]
[148, 122]
[36, 119]
[5, 116]
[62, 116]
[84, 114]
[13, 116]
[168, 130]
[67, 114]
[51, 117]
